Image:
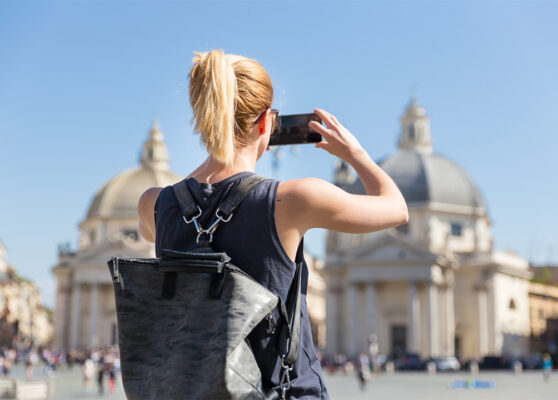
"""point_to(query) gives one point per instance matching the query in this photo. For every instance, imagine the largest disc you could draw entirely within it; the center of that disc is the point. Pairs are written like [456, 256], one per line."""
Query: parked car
[494, 362]
[533, 361]
[447, 363]
[409, 361]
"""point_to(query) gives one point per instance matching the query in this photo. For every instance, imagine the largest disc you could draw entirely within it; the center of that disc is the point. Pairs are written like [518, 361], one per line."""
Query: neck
[212, 170]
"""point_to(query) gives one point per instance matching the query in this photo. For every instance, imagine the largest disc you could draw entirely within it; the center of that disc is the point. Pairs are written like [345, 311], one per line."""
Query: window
[412, 132]
[512, 304]
[131, 234]
[456, 229]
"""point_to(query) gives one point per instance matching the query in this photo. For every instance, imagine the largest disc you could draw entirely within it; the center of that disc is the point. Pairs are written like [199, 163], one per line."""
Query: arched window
[512, 304]
[412, 132]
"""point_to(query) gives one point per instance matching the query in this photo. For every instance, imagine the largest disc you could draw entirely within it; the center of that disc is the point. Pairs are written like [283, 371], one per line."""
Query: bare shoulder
[148, 198]
[146, 212]
[305, 200]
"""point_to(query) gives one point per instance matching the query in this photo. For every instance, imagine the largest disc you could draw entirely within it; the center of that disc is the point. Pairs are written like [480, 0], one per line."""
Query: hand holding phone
[339, 141]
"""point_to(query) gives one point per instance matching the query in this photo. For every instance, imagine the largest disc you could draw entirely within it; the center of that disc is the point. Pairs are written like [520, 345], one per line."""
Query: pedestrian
[363, 370]
[6, 366]
[101, 375]
[547, 366]
[88, 370]
[231, 97]
[31, 358]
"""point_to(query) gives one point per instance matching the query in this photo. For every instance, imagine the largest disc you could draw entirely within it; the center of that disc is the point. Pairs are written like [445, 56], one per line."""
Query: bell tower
[155, 153]
[415, 129]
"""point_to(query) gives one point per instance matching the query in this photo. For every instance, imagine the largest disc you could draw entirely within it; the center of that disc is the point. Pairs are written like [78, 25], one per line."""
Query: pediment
[390, 247]
[102, 252]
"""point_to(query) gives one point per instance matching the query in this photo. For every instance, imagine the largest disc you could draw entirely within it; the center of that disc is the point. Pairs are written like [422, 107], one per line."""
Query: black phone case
[293, 129]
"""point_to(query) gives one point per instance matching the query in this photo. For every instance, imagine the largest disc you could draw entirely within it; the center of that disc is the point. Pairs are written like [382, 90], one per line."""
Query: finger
[331, 116]
[324, 117]
[321, 145]
[330, 123]
[319, 128]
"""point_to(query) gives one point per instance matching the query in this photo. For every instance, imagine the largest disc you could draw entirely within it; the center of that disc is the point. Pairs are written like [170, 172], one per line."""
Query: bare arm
[146, 212]
[321, 204]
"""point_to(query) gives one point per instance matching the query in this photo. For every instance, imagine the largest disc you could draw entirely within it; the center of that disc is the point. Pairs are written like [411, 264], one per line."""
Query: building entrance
[398, 339]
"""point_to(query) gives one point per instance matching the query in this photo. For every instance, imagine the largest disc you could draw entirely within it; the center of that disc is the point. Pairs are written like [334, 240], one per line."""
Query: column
[371, 310]
[414, 319]
[483, 326]
[450, 322]
[93, 309]
[332, 320]
[76, 312]
[351, 303]
[433, 323]
[493, 346]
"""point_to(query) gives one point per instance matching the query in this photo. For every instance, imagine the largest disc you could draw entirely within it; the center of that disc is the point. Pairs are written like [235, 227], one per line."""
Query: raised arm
[316, 203]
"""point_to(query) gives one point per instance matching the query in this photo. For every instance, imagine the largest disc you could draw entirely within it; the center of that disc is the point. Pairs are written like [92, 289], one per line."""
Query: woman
[231, 98]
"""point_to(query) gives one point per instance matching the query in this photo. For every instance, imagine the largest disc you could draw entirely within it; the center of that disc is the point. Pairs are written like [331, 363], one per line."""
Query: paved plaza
[68, 385]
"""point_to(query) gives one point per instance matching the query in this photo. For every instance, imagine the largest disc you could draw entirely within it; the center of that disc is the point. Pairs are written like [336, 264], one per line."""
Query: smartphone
[293, 129]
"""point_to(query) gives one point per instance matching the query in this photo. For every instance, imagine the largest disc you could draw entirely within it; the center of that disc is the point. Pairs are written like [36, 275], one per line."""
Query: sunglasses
[274, 118]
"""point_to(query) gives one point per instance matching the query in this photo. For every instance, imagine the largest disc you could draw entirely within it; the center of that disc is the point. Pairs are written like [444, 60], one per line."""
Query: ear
[263, 122]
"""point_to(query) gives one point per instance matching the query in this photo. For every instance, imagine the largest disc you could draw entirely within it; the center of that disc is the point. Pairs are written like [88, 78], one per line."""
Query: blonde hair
[227, 93]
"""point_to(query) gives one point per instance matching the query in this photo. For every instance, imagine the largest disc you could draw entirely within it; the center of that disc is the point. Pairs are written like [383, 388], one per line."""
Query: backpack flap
[173, 262]
[176, 261]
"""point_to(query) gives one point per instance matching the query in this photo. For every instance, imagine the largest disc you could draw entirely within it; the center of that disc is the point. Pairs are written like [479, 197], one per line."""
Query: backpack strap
[187, 204]
[289, 337]
[234, 198]
[190, 208]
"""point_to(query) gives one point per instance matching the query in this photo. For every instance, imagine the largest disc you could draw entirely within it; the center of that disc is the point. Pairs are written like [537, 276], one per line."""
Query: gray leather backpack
[183, 318]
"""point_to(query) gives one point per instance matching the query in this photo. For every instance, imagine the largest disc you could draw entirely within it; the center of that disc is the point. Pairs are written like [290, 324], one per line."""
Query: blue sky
[80, 83]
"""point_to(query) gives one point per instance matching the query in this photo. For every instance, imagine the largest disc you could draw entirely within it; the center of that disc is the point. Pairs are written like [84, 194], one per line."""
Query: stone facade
[22, 312]
[543, 305]
[433, 286]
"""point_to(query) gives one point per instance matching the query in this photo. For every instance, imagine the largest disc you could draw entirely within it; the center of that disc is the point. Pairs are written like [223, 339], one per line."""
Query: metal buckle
[221, 218]
[194, 217]
[270, 324]
[209, 231]
[285, 383]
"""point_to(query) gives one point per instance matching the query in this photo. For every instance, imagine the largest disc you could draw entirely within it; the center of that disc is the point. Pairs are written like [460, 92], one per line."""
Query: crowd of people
[99, 366]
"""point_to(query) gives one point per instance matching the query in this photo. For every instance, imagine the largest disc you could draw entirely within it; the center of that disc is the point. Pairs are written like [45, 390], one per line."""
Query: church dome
[421, 175]
[118, 198]
[431, 178]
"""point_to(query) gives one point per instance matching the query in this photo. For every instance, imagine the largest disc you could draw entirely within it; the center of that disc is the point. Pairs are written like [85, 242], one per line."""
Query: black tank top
[251, 226]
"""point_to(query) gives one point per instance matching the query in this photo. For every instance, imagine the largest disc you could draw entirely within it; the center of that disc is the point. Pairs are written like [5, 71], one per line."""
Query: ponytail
[213, 93]
[227, 93]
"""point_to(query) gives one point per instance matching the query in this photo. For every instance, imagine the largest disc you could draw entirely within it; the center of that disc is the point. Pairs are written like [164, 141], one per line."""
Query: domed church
[85, 314]
[433, 286]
